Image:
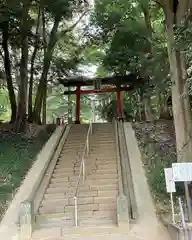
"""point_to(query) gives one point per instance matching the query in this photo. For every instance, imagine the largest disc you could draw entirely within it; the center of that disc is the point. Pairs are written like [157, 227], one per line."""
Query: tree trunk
[164, 108]
[180, 98]
[7, 65]
[44, 108]
[36, 47]
[148, 110]
[146, 99]
[23, 88]
[46, 64]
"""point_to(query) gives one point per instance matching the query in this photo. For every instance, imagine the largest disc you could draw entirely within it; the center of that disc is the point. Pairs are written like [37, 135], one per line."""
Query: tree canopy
[44, 40]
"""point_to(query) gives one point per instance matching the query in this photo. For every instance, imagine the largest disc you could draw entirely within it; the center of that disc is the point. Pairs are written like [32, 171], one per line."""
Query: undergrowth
[17, 155]
[158, 150]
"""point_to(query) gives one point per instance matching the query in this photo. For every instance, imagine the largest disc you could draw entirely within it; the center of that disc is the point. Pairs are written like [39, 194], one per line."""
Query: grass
[17, 155]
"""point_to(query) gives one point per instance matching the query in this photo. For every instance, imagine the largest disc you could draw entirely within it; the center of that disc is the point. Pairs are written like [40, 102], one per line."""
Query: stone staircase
[97, 195]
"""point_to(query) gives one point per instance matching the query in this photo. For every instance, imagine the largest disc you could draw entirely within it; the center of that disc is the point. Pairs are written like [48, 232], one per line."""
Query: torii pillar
[119, 105]
[78, 97]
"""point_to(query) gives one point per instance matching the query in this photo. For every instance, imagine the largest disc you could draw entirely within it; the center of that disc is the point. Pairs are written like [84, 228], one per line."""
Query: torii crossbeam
[109, 84]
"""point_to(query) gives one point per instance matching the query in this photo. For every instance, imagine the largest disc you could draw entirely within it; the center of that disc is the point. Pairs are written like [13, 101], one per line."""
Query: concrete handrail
[49, 148]
[120, 183]
[38, 196]
[122, 203]
[126, 172]
[9, 228]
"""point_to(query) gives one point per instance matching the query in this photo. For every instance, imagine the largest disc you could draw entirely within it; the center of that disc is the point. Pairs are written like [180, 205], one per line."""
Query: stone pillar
[78, 96]
[26, 220]
[70, 108]
[122, 212]
[119, 105]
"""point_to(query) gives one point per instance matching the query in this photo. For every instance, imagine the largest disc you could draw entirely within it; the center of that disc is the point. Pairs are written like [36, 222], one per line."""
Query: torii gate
[101, 85]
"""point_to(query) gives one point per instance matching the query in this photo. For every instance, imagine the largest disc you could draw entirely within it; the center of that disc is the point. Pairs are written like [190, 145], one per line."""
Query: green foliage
[158, 152]
[16, 157]
[4, 104]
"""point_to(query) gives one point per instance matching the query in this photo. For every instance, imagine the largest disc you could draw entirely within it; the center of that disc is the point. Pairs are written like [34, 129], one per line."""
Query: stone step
[102, 130]
[108, 206]
[72, 181]
[94, 167]
[73, 147]
[73, 171]
[62, 181]
[64, 216]
[108, 193]
[105, 213]
[100, 155]
[60, 184]
[104, 200]
[52, 209]
[103, 137]
[67, 223]
[70, 215]
[104, 232]
[80, 195]
[106, 187]
[52, 189]
[68, 162]
[73, 153]
[101, 181]
[95, 176]
[50, 223]
[105, 142]
[94, 164]
[83, 207]
[60, 167]
[97, 221]
[96, 161]
[97, 149]
[102, 144]
[61, 174]
[69, 157]
[53, 202]
[80, 200]
[101, 158]
[75, 141]
[106, 151]
[68, 201]
[60, 194]
[102, 162]
[107, 166]
[105, 171]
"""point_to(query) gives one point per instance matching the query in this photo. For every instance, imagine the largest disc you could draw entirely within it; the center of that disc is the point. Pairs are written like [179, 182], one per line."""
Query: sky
[87, 70]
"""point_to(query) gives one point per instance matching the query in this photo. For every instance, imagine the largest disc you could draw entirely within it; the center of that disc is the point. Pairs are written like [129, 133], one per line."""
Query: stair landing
[136, 232]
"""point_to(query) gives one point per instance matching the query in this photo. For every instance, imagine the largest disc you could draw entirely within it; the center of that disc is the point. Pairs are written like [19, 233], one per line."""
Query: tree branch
[184, 10]
[75, 24]
[160, 2]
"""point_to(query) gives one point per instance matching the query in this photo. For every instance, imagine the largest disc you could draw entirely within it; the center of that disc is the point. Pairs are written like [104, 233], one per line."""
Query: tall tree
[23, 87]
[8, 72]
[32, 68]
[59, 10]
[177, 13]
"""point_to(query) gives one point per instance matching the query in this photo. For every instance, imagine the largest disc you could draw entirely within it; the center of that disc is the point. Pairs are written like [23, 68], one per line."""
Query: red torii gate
[115, 83]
